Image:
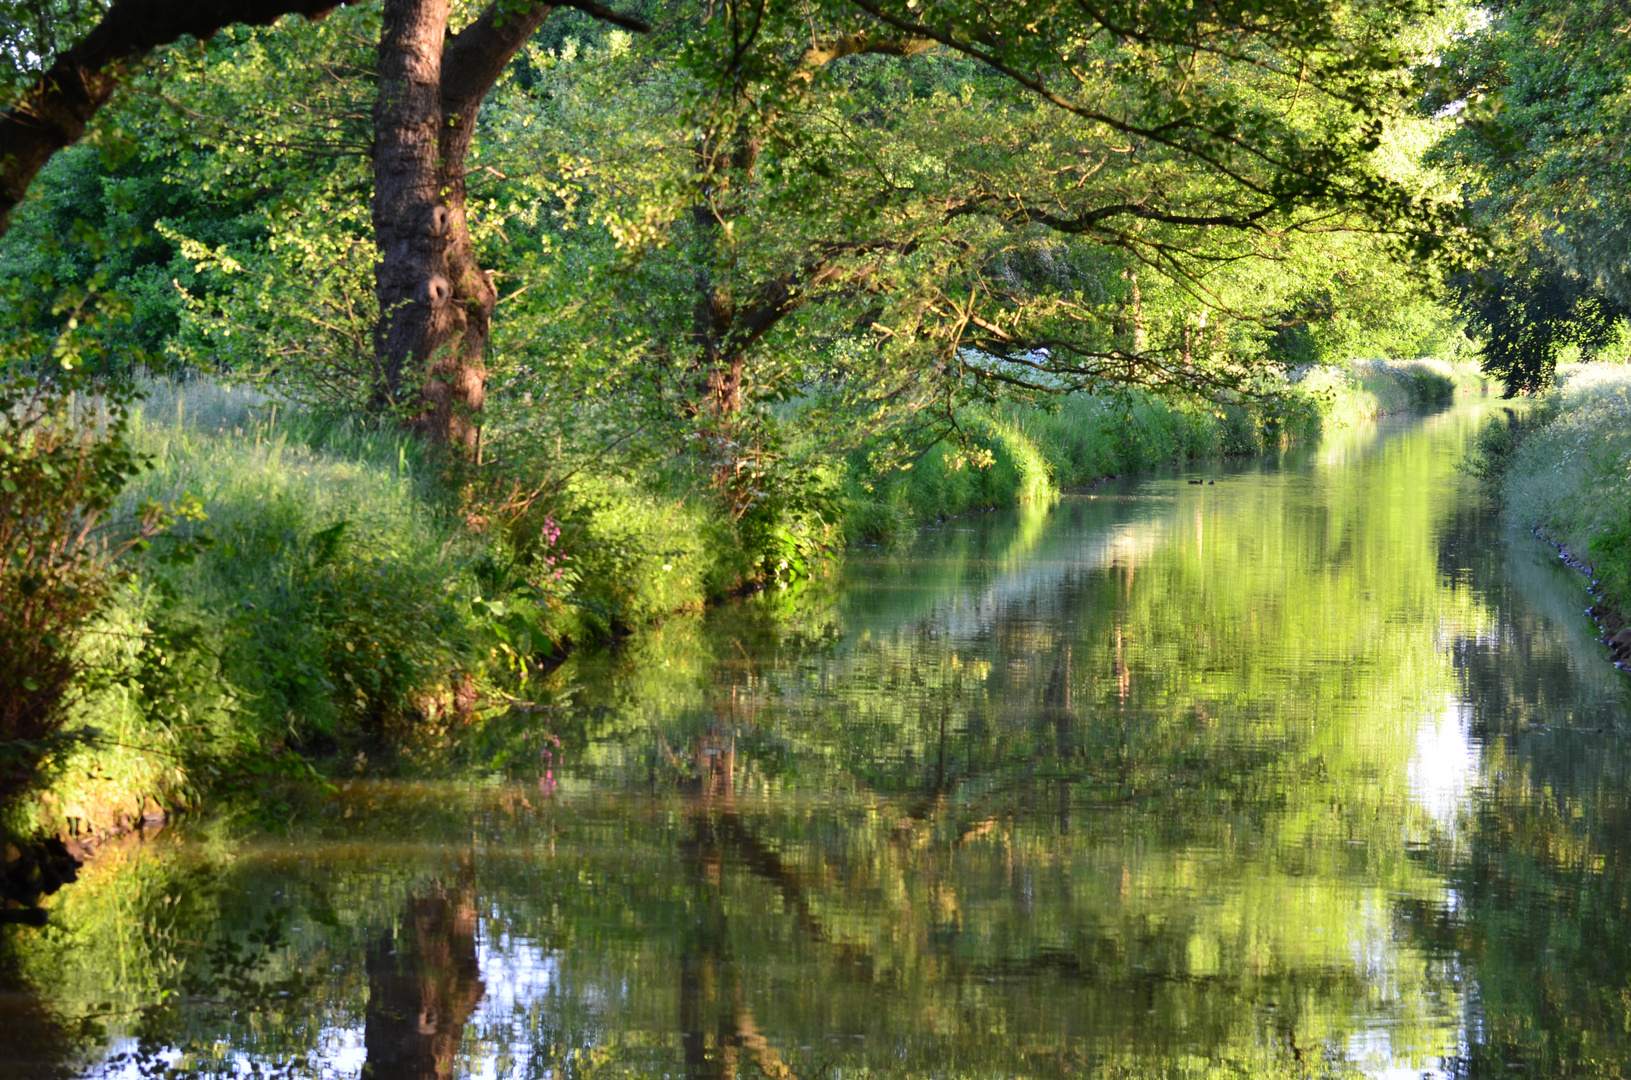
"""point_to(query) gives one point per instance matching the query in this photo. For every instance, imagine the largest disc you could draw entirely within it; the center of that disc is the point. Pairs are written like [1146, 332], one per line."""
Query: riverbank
[1561, 471]
[351, 601]
[1033, 453]
[1179, 719]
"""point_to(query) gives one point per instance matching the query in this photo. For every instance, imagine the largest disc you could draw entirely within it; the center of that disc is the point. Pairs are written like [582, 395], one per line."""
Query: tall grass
[330, 593]
[1031, 453]
[1571, 477]
[1372, 388]
[332, 599]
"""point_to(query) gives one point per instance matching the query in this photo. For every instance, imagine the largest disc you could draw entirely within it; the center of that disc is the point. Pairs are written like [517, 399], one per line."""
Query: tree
[1167, 141]
[871, 217]
[1527, 311]
[435, 301]
[1542, 121]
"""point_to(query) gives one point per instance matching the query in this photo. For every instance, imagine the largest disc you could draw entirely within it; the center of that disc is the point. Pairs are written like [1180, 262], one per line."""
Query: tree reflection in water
[716, 1024]
[424, 981]
[35, 1044]
[1004, 809]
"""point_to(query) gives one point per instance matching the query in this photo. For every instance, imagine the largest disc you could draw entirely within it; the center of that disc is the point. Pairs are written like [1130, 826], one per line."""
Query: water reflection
[423, 984]
[1311, 771]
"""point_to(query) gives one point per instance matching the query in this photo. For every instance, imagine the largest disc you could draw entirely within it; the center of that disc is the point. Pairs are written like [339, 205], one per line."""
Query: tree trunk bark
[719, 357]
[435, 301]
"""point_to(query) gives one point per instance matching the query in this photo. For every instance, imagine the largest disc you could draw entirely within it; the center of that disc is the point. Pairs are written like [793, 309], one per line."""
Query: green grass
[1570, 477]
[332, 601]
[332, 594]
[1013, 455]
[1372, 388]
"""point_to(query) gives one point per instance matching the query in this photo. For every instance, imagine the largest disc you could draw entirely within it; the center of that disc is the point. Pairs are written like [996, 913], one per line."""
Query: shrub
[64, 459]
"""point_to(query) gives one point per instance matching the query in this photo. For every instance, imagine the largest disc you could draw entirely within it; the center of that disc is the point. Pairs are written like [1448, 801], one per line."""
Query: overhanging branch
[55, 111]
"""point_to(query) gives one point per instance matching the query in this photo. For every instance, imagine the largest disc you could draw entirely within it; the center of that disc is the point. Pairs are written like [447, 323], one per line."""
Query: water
[1308, 770]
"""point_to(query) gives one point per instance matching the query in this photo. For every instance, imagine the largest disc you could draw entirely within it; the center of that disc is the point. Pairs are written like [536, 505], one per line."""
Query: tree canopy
[1538, 94]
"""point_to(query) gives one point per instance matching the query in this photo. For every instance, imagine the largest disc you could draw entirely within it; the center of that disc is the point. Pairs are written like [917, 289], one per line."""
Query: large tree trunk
[436, 302]
[56, 109]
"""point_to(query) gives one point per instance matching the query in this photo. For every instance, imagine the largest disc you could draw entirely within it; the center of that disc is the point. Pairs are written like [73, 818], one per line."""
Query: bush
[1009, 455]
[637, 555]
[63, 461]
[1372, 388]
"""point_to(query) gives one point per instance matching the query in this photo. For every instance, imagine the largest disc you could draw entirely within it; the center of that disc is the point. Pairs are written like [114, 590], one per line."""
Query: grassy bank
[327, 600]
[1561, 468]
[348, 598]
[352, 600]
[1384, 387]
[1010, 455]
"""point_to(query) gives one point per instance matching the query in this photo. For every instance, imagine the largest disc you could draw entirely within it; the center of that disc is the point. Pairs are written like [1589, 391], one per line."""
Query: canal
[1310, 768]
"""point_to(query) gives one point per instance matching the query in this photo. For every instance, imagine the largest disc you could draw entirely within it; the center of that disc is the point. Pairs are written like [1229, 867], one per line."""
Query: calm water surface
[1313, 770]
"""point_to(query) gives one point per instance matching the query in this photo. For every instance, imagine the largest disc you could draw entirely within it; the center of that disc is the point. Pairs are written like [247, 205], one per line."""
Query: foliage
[585, 203]
[65, 458]
[327, 607]
[34, 32]
[1529, 316]
[269, 129]
[63, 462]
[350, 592]
[1539, 92]
[633, 555]
[761, 290]
[225, 198]
[1053, 275]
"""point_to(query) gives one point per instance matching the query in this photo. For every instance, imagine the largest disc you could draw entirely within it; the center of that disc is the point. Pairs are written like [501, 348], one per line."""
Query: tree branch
[57, 108]
[1089, 220]
[818, 54]
[475, 57]
[606, 14]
